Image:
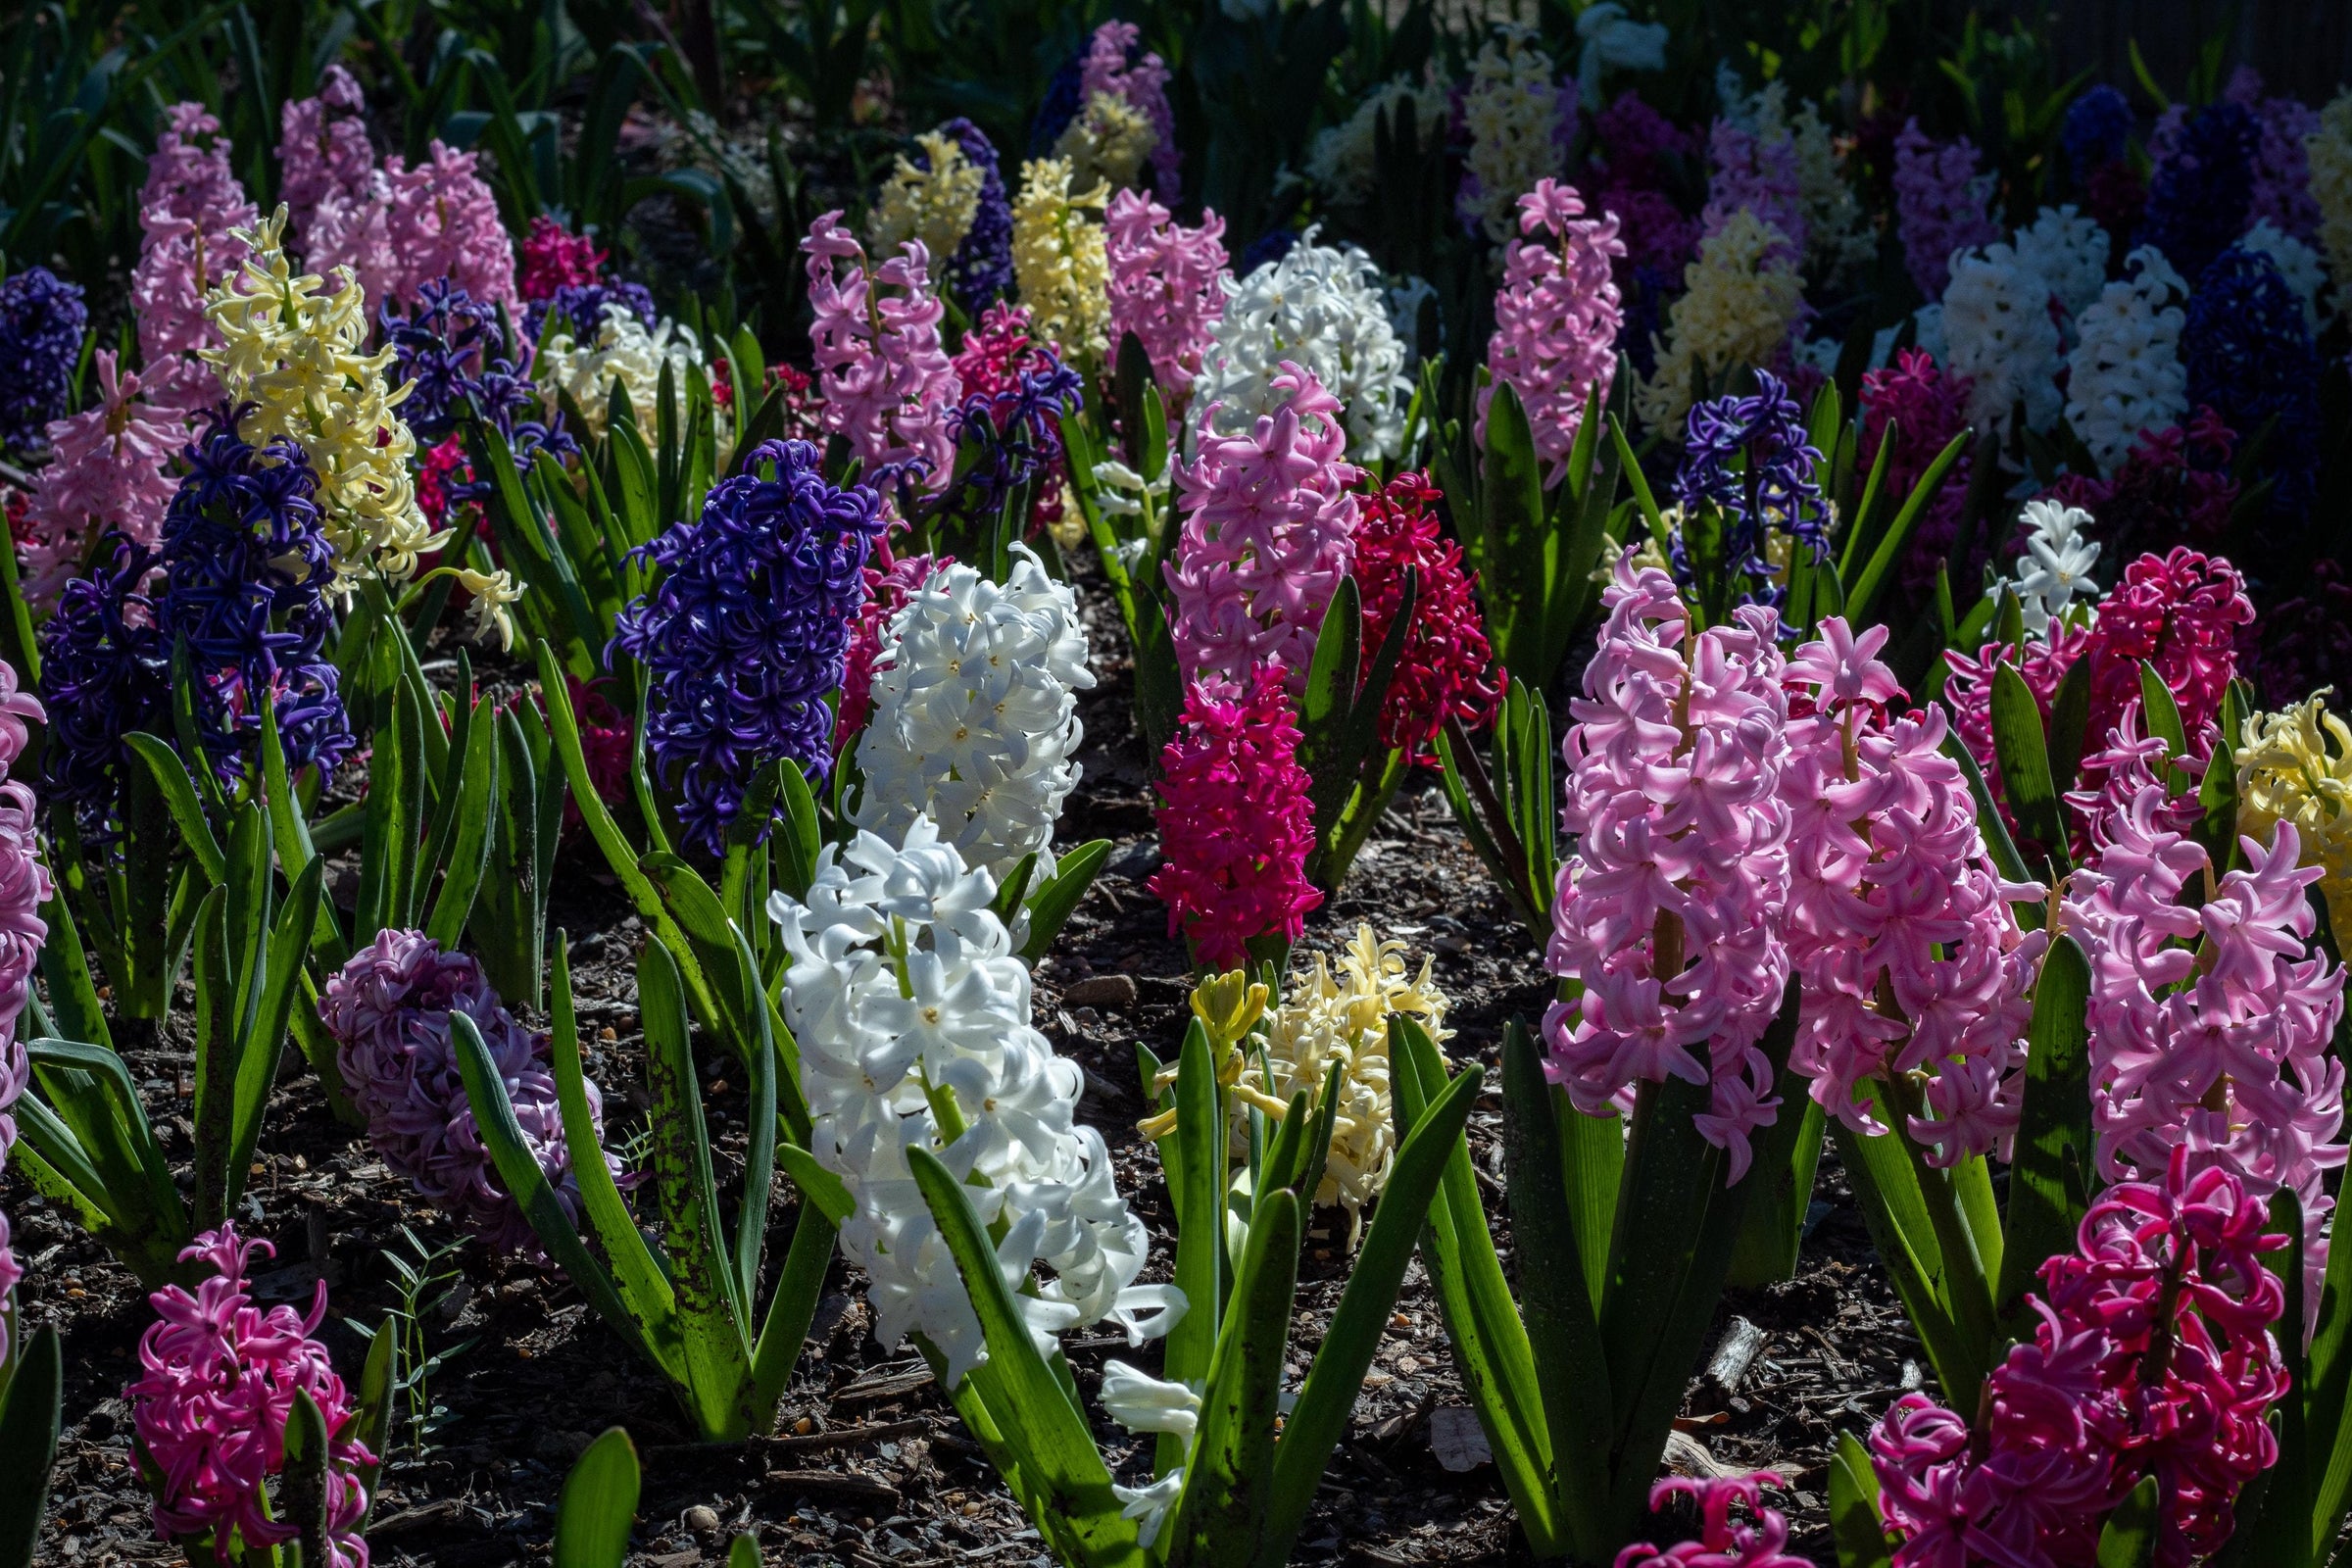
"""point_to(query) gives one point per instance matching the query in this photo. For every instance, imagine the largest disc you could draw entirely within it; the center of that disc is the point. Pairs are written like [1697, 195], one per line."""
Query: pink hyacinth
[552, 258]
[1898, 927]
[997, 351]
[188, 208]
[389, 1011]
[2180, 612]
[1925, 407]
[2211, 1011]
[1167, 288]
[1445, 669]
[1144, 86]
[2152, 1357]
[212, 1406]
[111, 468]
[1267, 535]
[1672, 911]
[1236, 826]
[1938, 208]
[1748, 173]
[1556, 320]
[23, 886]
[1721, 1544]
[2042, 662]
[887, 385]
[888, 587]
[444, 223]
[339, 203]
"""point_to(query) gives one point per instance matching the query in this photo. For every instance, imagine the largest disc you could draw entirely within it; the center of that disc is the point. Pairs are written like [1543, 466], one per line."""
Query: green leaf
[287, 947]
[1198, 1190]
[1997, 842]
[2017, 741]
[1511, 520]
[2128, 1540]
[32, 1408]
[742, 1552]
[790, 1312]
[469, 852]
[598, 1505]
[2217, 792]
[1864, 597]
[178, 790]
[2050, 1181]
[302, 1488]
[1222, 1512]
[1863, 512]
[816, 1184]
[1854, 1521]
[2070, 722]
[371, 1426]
[2163, 718]
[219, 1051]
[1052, 906]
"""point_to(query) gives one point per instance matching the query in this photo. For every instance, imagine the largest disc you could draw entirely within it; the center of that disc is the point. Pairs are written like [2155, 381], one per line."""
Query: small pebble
[699, 1519]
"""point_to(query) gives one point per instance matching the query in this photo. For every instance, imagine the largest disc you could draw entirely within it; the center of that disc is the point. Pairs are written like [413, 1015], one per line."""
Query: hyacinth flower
[2151, 1359]
[1742, 305]
[2250, 358]
[1920, 408]
[24, 886]
[41, 322]
[1557, 320]
[885, 382]
[1116, 64]
[1521, 118]
[888, 586]
[932, 197]
[2125, 376]
[190, 210]
[1012, 442]
[1059, 259]
[1723, 1542]
[1446, 673]
[745, 632]
[554, 259]
[1939, 205]
[1750, 492]
[2287, 771]
[2198, 199]
[214, 1413]
[110, 467]
[1166, 286]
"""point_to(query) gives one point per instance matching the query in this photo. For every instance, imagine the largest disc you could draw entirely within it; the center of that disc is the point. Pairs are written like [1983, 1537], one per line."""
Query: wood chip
[849, 1437]
[838, 1483]
[889, 1385]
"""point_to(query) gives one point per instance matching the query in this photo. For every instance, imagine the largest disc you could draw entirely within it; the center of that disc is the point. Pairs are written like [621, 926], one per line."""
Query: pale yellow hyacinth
[1060, 262]
[294, 353]
[1744, 302]
[1513, 109]
[1107, 145]
[2288, 773]
[934, 205]
[2328, 150]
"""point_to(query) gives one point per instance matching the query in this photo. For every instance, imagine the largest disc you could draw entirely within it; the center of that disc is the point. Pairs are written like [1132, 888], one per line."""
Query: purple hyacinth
[746, 633]
[583, 304]
[981, 270]
[1017, 433]
[1751, 461]
[2252, 359]
[453, 352]
[42, 321]
[2203, 188]
[2097, 126]
[106, 671]
[389, 1012]
[1064, 97]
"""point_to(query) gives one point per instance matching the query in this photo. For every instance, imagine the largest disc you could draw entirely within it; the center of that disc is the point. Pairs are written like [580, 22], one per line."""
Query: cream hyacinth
[2286, 773]
[1059, 260]
[1515, 111]
[1744, 302]
[935, 205]
[625, 352]
[1106, 143]
[2126, 373]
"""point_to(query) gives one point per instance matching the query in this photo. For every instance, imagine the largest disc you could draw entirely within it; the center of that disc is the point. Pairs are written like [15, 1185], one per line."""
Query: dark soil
[869, 1465]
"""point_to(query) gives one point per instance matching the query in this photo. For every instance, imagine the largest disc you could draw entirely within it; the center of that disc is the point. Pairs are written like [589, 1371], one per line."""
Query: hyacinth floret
[212, 1399]
[1268, 519]
[1671, 913]
[1236, 825]
[109, 466]
[1939, 205]
[1166, 286]
[1445, 668]
[451, 350]
[746, 631]
[2199, 198]
[1750, 463]
[1556, 320]
[905, 993]
[2252, 359]
[975, 714]
[42, 321]
[887, 385]
[1320, 307]
[1723, 1541]
[389, 1012]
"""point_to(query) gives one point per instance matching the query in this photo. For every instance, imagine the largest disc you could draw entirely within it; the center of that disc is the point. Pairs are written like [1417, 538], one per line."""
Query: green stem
[1966, 1288]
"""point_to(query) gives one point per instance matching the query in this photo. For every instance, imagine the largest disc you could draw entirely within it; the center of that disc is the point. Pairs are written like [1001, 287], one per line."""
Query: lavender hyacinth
[453, 352]
[746, 634]
[389, 1012]
[42, 321]
[1748, 463]
[981, 270]
[2252, 359]
[2203, 188]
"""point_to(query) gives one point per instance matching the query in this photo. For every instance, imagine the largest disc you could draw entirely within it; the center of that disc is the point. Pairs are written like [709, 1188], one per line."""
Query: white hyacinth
[1997, 328]
[2055, 570]
[912, 1014]
[2125, 376]
[1323, 307]
[2297, 263]
[2069, 251]
[975, 714]
[1341, 163]
[623, 351]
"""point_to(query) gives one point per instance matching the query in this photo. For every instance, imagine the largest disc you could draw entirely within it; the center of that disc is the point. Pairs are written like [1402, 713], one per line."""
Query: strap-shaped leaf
[790, 1311]
[1222, 1512]
[287, 948]
[395, 796]
[178, 790]
[2328, 1412]
[816, 1184]
[1072, 1503]
[1997, 842]
[2161, 715]
[469, 853]
[1511, 520]
[372, 1426]
[1865, 594]
[290, 833]
[302, 1488]
[598, 1505]
[2050, 1182]
[74, 1000]
[94, 1130]
[1654, 520]
[1052, 906]
[2129, 1539]
[1854, 1521]
[2217, 792]
[30, 1411]
[2018, 743]
[220, 1045]
[1865, 514]
[2070, 723]
[797, 838]
[1199, 1192]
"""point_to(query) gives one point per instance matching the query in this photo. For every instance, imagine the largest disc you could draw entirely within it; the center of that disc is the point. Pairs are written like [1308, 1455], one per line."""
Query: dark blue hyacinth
[244, 567]
[1750, 463]
[2198, 201]
[1018, 434]
[583, 304]
[2252, 359]
[745, 634]
[981, 270]
[2098, 127]
[41, 322]
[1058, 106]
[453, 349]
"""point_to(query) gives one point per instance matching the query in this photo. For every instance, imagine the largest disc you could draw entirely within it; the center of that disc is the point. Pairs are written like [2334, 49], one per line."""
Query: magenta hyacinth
[887, 384]
[1268, 529]
[110, 467]
[1556, 320]
[1672, 911]
[212, 1405]
[1236, 826]
[1166, 286]
[1898, 926]
[2152, 1356]
[887, 590]
[1721, 1542]
[1938, 205]
[389, 1012]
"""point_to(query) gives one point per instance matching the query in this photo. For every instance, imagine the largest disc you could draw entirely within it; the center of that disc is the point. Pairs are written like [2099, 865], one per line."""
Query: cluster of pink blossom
[1268, 532]
[553, 258]
[1670, 914]
[1938, 206]
[394, 227]
[2153, 1357]
[110, 467]
[1556, 320]
[188, 211]
[1898, 927]
[997, 351]
[1720, 1542]
[887, 385]
[1143, 83]
[1166, 286]
[889, 584]
[1748, 173]
[212, 1404]
[1925, 407]
[23, 887]
[1236, 826]
[1445, 668]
